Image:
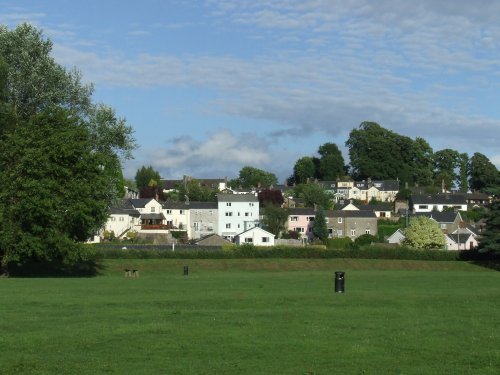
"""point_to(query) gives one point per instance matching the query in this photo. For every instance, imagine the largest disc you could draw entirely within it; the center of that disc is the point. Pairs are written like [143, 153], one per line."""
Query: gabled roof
[237, 198]
[460, 238]
[375, 207]
[124, 211]
[258, 229]
[446, 199]
[195, 205]
[441, 217]
[175, 205]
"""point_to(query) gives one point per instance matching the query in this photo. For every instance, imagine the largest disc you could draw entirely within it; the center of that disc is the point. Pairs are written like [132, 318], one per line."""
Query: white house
[177, 216]
[437, 202]
[256, 236]
[461, 241]
[236, 213]
[397, 237]
[122, 220]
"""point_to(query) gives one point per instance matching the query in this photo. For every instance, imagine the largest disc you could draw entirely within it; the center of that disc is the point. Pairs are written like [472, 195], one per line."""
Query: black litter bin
[339, 282]
[186, 270]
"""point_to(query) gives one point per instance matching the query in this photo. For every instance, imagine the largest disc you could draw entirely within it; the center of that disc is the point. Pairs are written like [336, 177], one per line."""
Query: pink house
[301, 220]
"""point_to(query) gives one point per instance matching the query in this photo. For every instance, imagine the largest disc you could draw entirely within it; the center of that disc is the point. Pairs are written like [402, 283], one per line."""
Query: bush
[339, 243]
[365, 239]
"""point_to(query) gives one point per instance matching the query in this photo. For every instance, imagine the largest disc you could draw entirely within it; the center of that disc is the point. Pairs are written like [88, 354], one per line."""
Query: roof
[195, 205]
[457, 199]
[348, 213]
[152, 217]
[237, 198]
[124, 211]
[255, 229]
[441, 217]
[140, 202]
[460, 238]
[375, 207]
[302, 211]
[175, 205]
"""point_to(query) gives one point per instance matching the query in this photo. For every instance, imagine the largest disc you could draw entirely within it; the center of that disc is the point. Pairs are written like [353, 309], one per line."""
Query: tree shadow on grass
[490, 260]
[90, 268]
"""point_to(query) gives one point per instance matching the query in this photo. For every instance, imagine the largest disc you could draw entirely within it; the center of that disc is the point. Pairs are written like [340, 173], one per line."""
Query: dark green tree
[275, 219]
[490, 238]
[147, 176]
[446, 163]
[53, 191]
[483, 173]
[463, 172]
[331, 162]
[320, 229]
[304, 170]
[253, 177]
[421, 159]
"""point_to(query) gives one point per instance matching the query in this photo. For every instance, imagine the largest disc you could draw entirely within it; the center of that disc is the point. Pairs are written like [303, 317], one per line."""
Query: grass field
[255, 317]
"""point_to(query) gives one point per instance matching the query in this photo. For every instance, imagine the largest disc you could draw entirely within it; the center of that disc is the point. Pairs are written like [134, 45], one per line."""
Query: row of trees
[60, 159]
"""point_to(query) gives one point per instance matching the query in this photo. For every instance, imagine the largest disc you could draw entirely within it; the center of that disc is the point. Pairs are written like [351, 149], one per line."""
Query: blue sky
[211, 86]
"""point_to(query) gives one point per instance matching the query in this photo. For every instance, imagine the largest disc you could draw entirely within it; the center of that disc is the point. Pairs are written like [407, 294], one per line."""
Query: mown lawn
[255, 317]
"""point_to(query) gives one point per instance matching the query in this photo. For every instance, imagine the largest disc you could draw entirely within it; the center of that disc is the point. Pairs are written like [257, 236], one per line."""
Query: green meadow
[255, 316]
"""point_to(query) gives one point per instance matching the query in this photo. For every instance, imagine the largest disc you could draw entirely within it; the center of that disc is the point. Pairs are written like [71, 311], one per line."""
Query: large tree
[53, 190]
[147, 177]
[381, 154]
[43, 102]
[331, 162]
[424, 233]
[304, 170]
[490, 238]
[483, 173]
[446, 164]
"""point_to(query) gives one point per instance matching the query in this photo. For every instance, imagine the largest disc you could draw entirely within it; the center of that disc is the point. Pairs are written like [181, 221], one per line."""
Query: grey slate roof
[440, 217]
[124, 211]
[237, 198]
[302, 211]
[446, 199]
[140, 202]
[460, 238]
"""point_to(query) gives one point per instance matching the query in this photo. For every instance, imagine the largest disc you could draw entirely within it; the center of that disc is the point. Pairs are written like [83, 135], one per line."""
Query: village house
[437, 202]
[301, 220]
[236, 213]
[351, 223]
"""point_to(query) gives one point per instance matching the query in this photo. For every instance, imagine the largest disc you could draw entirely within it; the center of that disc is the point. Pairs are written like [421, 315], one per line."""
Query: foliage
[313, 195]
[320, 229]
[463, 172]
[61, 154]
[145, 175]
[483, 173]
[403, 194]
[445, 163]
[271, 196]
[253, 177]
[341, 243]
[291, 234]
[331, 162]
[381, 154]
[275, 219]
[195, 191]
[304, 170]
[365, 239]
[424, 233]
[490, 238]
[53, 191]
[475, 214]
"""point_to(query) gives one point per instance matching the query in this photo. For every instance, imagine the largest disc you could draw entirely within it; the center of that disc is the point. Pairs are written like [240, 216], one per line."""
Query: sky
[211, 86]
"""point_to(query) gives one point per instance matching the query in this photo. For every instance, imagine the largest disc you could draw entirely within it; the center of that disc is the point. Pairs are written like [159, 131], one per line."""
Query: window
[196, 225]
[169, 212]
[340, 233]
[251, 204]
[248, 239]
[210, 212]
[310, 218]
[228, 226]
[246, 213]
[153, 209]
[294, 218]
[339, 220]
[353, 232]
[265, 239]
[422, 207]
[299, 229]
[228, 204]
[330, 231]
[170, 222]
[229, 214]
[367, 231]
[238, 213]
[443, 226]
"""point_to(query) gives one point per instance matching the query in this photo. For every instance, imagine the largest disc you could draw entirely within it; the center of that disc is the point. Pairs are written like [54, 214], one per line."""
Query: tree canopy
[320, 228]
[60, 166]
[147, 176]
[483, 173]
[253, 177]
[424, 233]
